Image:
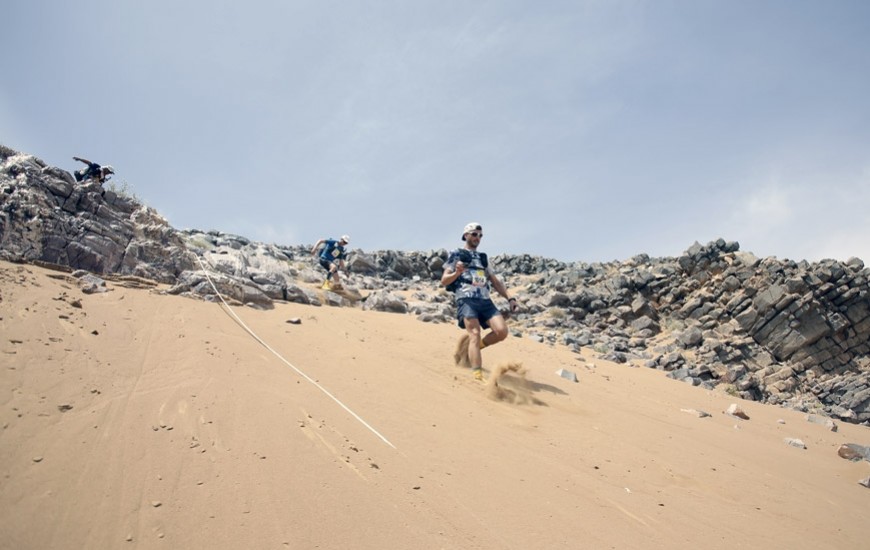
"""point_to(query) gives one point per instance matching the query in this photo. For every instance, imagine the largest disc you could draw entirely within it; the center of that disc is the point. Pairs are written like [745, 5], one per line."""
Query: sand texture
[133, 419]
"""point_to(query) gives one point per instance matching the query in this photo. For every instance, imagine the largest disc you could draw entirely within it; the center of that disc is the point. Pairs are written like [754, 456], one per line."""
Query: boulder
[385, 301]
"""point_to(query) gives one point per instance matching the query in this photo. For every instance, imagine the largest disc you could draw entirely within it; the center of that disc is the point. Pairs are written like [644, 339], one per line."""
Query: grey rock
[690, 337]
[695, 412]
[645, 323]
[91, 284]
[794, 442]
[566, 374]
[737, 412]
[301, 295]
[362, 263]
[854, 452]
[827, 422]
[385, 301]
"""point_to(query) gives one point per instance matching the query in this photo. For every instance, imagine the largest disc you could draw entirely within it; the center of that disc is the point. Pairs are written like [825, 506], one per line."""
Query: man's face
[473, 238]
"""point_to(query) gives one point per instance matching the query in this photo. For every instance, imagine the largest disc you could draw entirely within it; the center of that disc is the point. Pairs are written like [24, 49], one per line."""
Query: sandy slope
[184, 432]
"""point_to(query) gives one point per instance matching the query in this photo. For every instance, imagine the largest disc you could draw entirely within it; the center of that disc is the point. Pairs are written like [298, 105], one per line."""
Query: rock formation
[778, 331]
[46, 215]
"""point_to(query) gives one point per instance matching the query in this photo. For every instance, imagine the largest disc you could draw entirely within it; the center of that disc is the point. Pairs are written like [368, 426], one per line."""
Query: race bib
[478, 277]
[335, 253]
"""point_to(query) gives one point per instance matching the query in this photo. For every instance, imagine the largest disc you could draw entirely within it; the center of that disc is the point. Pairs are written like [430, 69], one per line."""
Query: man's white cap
[473, 226]
[345, 238]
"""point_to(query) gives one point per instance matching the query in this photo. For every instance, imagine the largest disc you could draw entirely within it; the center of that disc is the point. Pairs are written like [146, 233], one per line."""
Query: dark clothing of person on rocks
[93, 171]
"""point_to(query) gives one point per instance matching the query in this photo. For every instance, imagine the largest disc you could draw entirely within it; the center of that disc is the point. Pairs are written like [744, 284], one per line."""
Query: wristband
[512, 300]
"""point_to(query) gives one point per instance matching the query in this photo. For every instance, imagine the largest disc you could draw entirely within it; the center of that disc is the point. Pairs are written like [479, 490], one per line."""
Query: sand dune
[133, 419]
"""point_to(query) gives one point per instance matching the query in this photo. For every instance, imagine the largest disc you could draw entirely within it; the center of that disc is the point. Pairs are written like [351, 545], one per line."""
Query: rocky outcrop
[793, 333]
[46, 215]
[778, 331]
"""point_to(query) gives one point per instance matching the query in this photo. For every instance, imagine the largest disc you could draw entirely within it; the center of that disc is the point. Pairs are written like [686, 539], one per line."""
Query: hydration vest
[466, 258]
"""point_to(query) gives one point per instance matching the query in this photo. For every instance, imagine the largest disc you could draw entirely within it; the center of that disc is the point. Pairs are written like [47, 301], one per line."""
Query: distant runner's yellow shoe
[326, 285]
[478, 375]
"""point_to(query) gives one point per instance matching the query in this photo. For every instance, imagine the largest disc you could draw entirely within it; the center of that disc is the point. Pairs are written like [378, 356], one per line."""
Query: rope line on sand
[286, 362]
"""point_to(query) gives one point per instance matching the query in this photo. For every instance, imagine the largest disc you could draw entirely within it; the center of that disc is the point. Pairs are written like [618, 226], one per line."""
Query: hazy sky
[577, 130]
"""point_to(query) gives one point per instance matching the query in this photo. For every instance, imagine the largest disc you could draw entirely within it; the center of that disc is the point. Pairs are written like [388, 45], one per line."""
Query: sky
[577, 130]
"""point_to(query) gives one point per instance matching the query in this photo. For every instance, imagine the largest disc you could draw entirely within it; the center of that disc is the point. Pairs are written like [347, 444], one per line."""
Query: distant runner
[332, 259]
[93, 171]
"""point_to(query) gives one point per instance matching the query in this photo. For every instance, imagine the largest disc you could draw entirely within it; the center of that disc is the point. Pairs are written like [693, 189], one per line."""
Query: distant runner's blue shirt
[332, 251]
[474, 281]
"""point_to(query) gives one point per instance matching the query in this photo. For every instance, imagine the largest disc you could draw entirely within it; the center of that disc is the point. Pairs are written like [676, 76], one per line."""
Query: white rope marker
[286, 362]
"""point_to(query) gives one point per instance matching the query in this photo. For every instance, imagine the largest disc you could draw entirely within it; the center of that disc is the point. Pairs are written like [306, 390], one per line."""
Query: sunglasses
[476, 234]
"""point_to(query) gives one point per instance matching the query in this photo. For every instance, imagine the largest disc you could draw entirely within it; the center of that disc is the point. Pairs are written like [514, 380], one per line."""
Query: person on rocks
[332, 258]
[93, 171]
[468, 275]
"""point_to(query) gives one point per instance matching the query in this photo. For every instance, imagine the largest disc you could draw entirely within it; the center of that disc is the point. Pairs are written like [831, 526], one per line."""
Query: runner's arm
[499, 287]
[452, 270]
[449, 276]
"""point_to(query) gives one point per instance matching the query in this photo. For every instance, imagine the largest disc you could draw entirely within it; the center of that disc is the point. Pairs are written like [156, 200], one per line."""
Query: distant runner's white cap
[345, 239]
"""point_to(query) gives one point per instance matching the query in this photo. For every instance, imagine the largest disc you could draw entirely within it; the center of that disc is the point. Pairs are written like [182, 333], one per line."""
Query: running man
[468, 275]
[332, 259]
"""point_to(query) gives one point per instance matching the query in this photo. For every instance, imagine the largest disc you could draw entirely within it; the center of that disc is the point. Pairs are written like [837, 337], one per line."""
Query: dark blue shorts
[475, 308]
[326, 264]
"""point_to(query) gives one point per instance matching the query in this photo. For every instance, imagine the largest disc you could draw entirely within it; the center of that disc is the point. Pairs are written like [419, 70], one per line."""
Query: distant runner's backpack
[465, 257]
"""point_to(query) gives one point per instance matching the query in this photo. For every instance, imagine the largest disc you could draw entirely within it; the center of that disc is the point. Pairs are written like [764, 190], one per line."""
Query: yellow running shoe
[477, 374]
[327, 285]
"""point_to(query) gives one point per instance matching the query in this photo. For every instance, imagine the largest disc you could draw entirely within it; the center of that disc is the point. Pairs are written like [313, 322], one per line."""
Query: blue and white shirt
[332, 251]
[474, 281]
